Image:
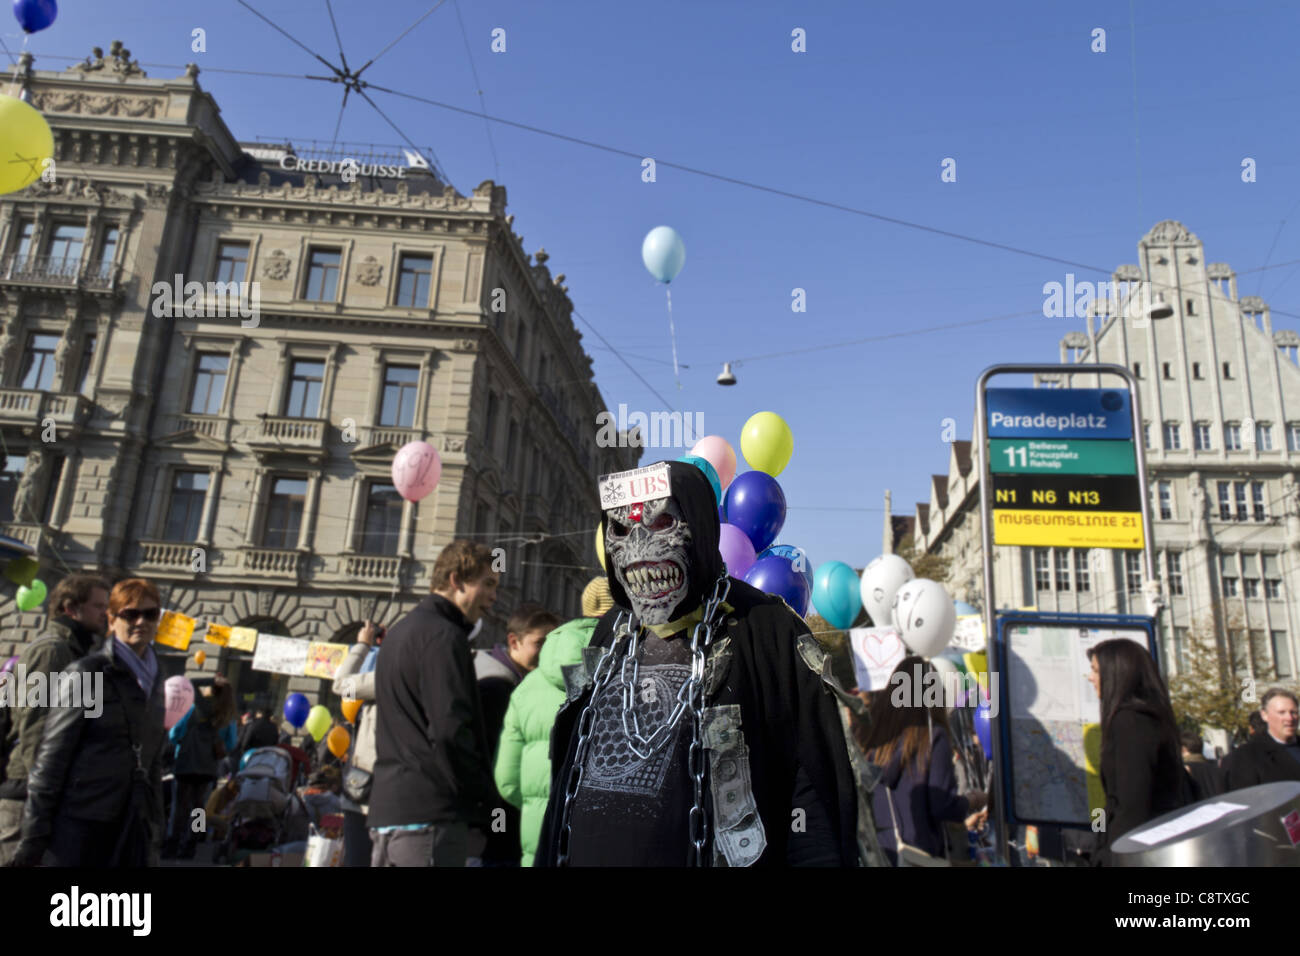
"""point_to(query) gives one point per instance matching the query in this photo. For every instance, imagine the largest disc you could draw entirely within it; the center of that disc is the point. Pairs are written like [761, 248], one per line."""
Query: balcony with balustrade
[30, 408]
[276, 434]
[174, 557]
[59, 272]
[282, 564]
[378, 569]
[210, 426]
[372, 435]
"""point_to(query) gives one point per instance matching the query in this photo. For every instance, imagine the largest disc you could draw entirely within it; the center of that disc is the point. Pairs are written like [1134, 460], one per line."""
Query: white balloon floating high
[924, 616]
[881, 580]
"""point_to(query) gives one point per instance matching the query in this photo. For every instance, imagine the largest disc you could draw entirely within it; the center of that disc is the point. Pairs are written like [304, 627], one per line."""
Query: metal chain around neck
[692, 696]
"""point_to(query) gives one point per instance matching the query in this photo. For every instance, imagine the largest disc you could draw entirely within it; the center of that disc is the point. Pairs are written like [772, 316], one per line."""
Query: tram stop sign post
[1060, 468]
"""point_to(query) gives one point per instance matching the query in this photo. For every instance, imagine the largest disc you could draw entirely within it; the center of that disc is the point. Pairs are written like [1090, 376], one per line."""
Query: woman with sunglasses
[94, 794]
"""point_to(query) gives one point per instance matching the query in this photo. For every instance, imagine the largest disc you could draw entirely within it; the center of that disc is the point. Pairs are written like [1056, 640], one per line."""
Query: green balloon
[31, 597]
[21, 571]
[318, 722]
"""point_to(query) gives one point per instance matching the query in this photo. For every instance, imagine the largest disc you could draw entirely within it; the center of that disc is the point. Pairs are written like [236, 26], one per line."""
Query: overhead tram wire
[496, 166]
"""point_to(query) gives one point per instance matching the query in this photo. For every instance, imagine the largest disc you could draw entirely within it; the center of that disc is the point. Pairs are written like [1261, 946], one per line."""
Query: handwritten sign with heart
[876, 652]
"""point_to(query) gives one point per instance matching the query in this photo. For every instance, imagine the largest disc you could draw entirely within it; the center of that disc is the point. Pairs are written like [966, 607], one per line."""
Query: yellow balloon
[600, 545]
[767, 443]
[350, 709]
[200, 657]
[25, 144]
[338, 741]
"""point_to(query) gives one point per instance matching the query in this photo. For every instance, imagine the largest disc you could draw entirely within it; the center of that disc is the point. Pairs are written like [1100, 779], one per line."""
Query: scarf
[144, 669]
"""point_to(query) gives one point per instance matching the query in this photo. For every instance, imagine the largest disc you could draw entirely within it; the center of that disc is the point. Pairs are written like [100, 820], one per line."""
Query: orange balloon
[350, 710]
[200, 657]
[338, 741]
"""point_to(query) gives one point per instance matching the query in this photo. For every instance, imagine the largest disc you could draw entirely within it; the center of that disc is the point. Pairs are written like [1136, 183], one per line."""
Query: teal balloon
[837, 594]
[663, 253]
[710, 473]
[32, 596]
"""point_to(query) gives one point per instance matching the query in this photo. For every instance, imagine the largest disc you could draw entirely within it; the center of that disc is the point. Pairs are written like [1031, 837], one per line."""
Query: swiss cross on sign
[635, 512]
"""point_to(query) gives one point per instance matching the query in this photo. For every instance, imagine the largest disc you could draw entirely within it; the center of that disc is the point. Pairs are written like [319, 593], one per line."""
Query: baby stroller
[266, 809]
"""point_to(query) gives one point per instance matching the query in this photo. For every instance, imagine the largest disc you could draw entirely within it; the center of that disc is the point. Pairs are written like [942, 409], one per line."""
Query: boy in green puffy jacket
[523, 770]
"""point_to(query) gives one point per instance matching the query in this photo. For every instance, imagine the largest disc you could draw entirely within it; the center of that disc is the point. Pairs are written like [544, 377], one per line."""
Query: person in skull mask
[701, 730]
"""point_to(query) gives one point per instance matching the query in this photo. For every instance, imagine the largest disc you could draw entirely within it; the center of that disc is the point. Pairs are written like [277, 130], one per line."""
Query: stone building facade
[1220, 396]
[232, 440]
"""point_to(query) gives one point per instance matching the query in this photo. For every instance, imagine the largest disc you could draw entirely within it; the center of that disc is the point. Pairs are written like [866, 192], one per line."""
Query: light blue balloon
[710, 473]
[837, 594]
[663, 253]
[963, 608]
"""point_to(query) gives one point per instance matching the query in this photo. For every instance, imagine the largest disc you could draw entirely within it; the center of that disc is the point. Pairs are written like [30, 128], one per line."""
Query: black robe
[790, 718]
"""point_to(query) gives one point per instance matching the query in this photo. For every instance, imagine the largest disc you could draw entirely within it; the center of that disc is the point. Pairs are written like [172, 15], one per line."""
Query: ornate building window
[209, 387]
[401, 382]
[305, 383]
[383, 520]
[414, 276]
[232, 262]
[185, 508]
[38, 362]
[284, 512]
[323, 275]
[1174, 565]
[65, 248]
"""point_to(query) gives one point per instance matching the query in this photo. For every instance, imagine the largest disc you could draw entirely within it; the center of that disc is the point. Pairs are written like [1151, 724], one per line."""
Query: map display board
[1050, 718]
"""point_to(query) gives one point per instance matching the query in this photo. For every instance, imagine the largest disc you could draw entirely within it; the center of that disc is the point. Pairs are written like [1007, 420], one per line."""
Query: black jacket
[797, 750]
[61, 643]
[1260, 760]
[1142, 775]
[196, 753]
[431, 748]
[259, 732]
[1207, 778]
[85, 767]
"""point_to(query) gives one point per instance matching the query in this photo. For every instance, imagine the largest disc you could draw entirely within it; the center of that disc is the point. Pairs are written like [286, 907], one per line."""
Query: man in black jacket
[1273, 755]
[78, 618]
[703, 728]
[432, 776]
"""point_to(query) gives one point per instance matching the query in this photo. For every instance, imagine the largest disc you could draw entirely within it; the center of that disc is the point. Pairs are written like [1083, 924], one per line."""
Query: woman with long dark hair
[911, 742]
[1141, 766]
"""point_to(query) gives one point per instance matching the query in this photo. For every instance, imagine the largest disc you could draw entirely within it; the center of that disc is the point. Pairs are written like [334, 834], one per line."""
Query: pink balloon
[736, 550]
[416, 470]
[717, 452]
[9, 665]
[178, 693]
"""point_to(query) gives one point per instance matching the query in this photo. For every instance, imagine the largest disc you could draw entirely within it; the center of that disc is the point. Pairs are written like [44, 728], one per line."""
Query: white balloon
[881, 580]
[924, 616]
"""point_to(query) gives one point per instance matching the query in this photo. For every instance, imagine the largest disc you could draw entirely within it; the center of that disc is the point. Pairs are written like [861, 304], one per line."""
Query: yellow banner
[243, 639]
[217, 634]
[324, 659]
[175, 630]
[1068, 529]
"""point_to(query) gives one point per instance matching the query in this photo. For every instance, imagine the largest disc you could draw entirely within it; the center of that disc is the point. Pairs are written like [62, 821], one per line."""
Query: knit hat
[596, 599]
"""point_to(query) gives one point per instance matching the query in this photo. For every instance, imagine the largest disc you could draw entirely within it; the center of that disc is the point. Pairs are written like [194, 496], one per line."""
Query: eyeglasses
[133, 614]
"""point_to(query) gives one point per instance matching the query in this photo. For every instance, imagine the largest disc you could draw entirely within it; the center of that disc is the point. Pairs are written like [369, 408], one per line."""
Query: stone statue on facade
[61, 353]
[1197, 494]
[7, 342]
[27, 497]
[1291, 508]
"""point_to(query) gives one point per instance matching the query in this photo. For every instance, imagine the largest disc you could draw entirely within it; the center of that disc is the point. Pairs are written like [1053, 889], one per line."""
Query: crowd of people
[572, 743]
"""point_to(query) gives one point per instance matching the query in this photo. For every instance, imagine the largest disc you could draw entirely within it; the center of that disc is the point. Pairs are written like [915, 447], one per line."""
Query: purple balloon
[9, 665]
[776, 575]
[983, 730]
[755, 504]
[736, 550]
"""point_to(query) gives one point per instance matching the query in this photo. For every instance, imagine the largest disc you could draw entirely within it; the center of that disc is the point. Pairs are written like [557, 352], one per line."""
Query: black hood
[694, 495]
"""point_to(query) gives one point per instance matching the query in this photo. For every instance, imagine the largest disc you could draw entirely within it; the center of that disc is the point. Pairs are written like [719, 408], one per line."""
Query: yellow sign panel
[217, 634]
[243, 639]
[175, 630]
[324, 659]
[1068, 529]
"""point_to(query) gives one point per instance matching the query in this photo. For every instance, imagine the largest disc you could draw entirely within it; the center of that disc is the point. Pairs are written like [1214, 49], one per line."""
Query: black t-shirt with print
[629, 811]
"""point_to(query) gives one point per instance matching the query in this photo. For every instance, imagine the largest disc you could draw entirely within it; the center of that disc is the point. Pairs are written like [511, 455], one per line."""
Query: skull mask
[649, 545]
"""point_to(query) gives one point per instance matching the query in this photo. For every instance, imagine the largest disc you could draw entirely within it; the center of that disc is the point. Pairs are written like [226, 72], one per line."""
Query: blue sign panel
[1059, 413]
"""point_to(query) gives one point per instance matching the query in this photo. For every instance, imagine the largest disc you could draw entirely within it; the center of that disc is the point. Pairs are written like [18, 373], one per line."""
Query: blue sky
[1043, 130]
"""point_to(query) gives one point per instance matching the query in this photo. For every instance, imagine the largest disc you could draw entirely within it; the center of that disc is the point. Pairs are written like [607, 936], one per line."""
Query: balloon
[20, 571]
[200, 658]
[663, 253]
[34, 15]
[796, 556]
[350, 710]
[25, 143]
[776, 575]
[880, 582]
[338, 741]
[416, 470]
[962, 608]
[600, 545]
[178, 698]
[755, 504]
[837, 594]
[710, 472]
[983, 730]
[8, 665]
[296, 707]
[31, 596]
[717, 451]
[318, 722]
[924, 616]
[767, 443]
[736, 549]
